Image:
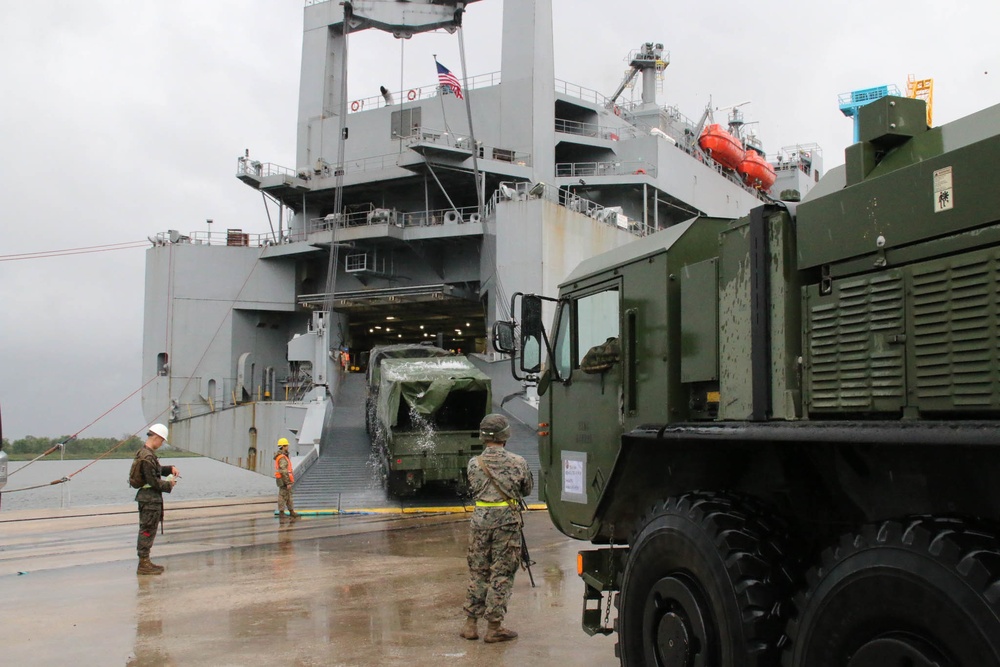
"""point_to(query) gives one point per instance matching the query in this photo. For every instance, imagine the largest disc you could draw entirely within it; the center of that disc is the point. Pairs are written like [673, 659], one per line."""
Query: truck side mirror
[531, 333]
[503, 337]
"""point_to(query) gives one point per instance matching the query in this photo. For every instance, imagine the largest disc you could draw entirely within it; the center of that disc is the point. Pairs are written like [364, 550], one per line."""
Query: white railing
[595, 131]
[230, 237]
[586, 94]
[618, 168]
[611, 216]
[244, 165]
[443, 138]
[420, 94]
[385, 216]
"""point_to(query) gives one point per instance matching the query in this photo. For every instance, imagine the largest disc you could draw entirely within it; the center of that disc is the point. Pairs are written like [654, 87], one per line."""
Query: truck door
[586, 408]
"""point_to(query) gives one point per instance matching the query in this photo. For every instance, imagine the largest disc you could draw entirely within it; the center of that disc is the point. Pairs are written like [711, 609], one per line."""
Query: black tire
[704, 585]
[397, 487]
[917, 592]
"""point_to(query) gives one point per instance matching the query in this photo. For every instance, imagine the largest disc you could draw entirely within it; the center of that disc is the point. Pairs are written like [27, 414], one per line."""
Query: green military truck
[783, 432]
[373, 375]
[427, 421]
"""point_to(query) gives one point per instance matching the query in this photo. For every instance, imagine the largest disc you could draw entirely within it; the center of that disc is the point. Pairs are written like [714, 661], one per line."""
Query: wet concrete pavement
[245, 588]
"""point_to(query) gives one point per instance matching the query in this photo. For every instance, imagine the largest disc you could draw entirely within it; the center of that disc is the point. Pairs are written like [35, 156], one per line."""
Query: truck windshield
[596, 321]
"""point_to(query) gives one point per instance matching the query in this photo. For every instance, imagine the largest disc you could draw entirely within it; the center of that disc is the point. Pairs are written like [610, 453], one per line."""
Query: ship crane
[707, 116]
[649, 59]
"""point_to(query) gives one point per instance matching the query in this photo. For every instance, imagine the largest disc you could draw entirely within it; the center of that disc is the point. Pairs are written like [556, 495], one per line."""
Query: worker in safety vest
[284, 477]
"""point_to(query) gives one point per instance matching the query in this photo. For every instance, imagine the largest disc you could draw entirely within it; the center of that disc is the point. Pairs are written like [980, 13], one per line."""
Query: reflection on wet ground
[245, 588]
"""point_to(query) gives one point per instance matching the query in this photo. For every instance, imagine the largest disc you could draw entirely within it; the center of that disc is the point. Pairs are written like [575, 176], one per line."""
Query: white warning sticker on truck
[574, 474]
[944, 195]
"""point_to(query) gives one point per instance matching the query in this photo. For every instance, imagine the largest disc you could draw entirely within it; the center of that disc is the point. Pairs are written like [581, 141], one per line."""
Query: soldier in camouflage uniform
[150, 496]
[499, 480]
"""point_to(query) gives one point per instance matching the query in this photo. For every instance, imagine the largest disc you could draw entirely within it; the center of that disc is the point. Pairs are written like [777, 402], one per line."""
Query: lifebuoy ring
[640, 171]
[618, 111]
[412, 95]
[355, 105]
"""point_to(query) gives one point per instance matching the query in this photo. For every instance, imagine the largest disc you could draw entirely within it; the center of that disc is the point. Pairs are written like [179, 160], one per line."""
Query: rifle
[526, 561]
[518, 505]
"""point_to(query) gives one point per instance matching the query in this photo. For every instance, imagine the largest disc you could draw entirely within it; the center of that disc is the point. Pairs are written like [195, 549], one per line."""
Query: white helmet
[160, 430]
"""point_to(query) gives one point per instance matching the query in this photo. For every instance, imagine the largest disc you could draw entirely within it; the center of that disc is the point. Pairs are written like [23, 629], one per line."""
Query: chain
[611, 578]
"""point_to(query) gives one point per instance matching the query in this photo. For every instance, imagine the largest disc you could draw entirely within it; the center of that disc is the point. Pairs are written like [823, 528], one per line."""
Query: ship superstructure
[409, 216]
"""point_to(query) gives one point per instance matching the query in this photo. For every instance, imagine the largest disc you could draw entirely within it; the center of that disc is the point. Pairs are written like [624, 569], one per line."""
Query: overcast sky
[120, 119]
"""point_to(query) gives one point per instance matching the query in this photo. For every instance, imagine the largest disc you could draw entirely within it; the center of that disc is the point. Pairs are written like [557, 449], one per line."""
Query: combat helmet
[494, 428]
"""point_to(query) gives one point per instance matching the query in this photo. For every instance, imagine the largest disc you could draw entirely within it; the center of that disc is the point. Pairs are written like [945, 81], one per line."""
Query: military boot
[146, 566]
[293, 514]
[470, 631]
[497, 633]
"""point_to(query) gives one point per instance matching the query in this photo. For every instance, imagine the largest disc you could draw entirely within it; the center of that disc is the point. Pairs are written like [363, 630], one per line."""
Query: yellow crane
[921, 89]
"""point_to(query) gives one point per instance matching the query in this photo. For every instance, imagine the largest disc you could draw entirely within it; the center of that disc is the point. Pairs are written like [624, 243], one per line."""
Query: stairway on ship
[345, 476]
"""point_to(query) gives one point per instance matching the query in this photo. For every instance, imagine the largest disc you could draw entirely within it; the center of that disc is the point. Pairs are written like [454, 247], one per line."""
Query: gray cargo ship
[413, 216]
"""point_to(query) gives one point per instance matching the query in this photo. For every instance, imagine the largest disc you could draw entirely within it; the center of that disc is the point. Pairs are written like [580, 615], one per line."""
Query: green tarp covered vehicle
[374, 374]
[427, 421]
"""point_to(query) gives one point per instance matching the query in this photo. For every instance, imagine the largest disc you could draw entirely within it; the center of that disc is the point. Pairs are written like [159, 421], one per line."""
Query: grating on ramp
[345, 476]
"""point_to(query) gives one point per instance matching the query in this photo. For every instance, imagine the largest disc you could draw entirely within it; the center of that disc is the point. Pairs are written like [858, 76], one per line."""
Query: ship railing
[594, 131]
[585, 94]
[230, 237]
[372, 163]
[444, 138]
[522, 191]
[292, 389]
[617, 168]
[384, 216]
[246, 166]
[422, 93]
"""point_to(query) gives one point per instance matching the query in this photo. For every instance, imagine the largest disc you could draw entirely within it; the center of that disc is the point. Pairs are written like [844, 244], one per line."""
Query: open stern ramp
[346, 476]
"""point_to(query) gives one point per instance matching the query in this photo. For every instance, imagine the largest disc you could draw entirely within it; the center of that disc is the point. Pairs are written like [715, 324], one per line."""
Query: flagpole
[476, 176]
[444, 115]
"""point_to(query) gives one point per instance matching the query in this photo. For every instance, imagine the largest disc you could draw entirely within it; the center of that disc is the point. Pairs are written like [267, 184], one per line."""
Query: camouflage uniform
[495, 535]
[150, 498]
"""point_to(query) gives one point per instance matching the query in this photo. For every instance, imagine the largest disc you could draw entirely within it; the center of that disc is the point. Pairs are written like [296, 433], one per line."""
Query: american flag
[446, 78]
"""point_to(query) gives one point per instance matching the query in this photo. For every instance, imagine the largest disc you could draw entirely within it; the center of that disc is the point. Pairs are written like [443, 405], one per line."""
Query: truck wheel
[704, 585]
[917, 592]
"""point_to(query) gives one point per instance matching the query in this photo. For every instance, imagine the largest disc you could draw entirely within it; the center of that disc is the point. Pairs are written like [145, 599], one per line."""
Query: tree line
[30, 446]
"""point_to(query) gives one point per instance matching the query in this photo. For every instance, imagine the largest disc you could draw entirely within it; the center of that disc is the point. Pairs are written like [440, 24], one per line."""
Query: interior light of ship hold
[371, 331]
[378, 326]
[421, 326]
[389, 317]
[399, 335]
[466, 325]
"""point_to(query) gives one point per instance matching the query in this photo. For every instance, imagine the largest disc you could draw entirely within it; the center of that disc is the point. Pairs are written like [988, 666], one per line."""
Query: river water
[106, 483]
